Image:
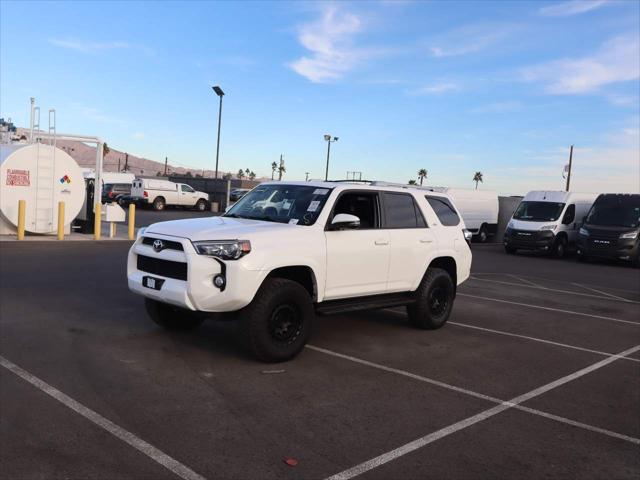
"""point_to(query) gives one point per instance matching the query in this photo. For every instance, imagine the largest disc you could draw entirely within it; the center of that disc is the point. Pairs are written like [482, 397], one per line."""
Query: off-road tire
[434, 300]
[170, 317]
[201, 205]
[159, 204]
[263, 323]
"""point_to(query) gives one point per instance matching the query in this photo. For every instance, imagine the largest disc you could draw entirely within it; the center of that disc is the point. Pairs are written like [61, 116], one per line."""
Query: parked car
[611, 229]
[237, 193]
[162, 193]
[547, 221]
[322, 248]
[111, 192]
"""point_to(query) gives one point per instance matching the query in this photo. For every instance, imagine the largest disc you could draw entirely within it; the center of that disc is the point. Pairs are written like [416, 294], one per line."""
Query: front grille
[165, 268]
[604, 234]
[530, 236]
[167, 244]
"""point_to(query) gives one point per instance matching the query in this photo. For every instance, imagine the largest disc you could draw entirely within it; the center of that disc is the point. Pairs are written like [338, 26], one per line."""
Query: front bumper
[194, 290]
[541, 240]
[624, 249]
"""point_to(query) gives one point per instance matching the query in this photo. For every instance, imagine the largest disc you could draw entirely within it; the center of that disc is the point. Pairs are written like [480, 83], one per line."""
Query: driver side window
[363, 205]
[569, 215]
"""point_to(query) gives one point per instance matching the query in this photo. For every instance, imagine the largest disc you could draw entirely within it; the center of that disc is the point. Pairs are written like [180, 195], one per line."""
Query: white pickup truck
[288, 251]
[161, 193]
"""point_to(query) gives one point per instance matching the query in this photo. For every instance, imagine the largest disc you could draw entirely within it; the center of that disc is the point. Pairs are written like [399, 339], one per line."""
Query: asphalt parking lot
[536, 375]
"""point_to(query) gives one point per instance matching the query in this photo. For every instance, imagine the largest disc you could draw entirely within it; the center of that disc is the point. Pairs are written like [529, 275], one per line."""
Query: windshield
[538, 211]
[295, 204]
[615, 213]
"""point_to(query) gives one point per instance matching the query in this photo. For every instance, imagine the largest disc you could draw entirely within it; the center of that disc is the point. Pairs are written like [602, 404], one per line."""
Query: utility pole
[329, 142]
[569, 172]
[118, 165]
[165, 166]
[220, 94]
[126, 162]
[280, 169]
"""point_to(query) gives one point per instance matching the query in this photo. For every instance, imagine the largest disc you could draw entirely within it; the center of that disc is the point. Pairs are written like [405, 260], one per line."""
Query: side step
[371, 302]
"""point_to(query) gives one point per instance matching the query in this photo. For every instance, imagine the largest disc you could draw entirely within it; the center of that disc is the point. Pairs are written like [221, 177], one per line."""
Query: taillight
[110, 194]
[145, 194]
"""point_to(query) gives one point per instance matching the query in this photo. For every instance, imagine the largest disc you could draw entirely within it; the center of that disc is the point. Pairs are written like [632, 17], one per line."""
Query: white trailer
[479, 209]
[161, 193]
[547, 221]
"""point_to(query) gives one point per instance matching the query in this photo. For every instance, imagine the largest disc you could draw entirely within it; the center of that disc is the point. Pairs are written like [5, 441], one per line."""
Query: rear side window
[401, 211]
[569, 215]
[444, 210]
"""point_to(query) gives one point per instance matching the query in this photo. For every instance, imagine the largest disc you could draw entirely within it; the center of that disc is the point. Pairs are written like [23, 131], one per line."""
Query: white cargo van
[479, 209]
[161, 193]
[547, 221]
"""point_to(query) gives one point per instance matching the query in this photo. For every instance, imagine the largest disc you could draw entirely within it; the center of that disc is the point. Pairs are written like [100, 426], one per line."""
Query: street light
[220, 94]
[329, 141]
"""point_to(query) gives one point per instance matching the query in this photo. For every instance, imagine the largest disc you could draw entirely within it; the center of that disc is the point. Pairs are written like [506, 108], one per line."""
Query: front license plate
[153, 283]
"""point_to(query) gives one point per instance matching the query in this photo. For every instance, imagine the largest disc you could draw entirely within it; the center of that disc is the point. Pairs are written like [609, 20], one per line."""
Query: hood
[217, 228]
[528, 225]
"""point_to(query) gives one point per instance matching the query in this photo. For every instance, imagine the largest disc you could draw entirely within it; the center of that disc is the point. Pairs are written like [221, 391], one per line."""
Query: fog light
[219, 281]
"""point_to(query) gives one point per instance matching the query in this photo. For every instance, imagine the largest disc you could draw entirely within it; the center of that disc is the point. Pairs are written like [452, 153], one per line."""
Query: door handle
[426, 240]
[381, 242]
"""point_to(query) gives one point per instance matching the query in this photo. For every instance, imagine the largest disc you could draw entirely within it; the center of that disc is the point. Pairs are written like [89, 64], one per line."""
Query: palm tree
[252, 175]
[281, 170]
[227, 176]
[477, 177]
[412, 182]
[105, 149]
[422, 174]
[274, 167]
[240, 174]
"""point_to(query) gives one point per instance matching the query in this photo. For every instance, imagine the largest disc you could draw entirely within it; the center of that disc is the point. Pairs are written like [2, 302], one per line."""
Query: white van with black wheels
[547, 221]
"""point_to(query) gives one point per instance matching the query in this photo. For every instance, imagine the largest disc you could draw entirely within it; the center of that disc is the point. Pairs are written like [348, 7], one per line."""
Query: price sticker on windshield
[320, 191]
[313, 206]
[293, 221]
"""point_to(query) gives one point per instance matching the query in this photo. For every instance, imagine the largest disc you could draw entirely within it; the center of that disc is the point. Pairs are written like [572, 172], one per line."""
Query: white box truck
[547, 221]
[479, 209]
[162, 193]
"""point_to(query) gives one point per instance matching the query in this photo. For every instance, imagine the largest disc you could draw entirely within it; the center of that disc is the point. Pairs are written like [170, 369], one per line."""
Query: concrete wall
[506, 207]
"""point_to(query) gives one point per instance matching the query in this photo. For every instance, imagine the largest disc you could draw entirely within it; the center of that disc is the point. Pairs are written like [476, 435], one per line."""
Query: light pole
[329, 141]
[306, 179]
[220, 94]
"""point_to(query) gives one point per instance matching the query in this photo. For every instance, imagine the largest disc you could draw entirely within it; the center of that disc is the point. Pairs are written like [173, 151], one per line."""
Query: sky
[453, 87]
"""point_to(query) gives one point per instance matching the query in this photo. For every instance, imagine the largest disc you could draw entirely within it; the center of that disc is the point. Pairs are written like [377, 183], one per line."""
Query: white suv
[322, 247]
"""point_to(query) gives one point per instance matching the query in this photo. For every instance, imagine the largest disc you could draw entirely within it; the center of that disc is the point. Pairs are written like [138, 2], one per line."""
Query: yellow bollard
[97, 223]
[132, 221]
[60, 220]
[22, 209]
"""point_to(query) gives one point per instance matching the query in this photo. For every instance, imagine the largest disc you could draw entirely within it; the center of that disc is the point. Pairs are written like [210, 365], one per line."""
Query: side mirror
[345, 221]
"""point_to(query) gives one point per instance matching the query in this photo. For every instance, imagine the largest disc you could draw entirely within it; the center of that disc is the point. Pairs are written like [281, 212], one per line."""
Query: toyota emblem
[158, 245]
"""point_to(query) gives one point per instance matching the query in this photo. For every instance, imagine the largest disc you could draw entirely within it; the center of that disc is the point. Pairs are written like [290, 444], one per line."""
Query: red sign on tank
[18, 178]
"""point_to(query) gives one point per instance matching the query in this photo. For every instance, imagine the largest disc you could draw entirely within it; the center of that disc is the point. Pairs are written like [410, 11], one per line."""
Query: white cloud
[573, 7]
[618, 60]
[87, 47]
[138, 136]
[436, 89]
[331, 47]
[468, 39]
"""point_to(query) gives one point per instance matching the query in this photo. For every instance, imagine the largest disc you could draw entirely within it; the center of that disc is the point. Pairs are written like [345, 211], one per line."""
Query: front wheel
[276, 325]
[483, 235]
[170, 317]
[559, 248]
[509, 250]
[434, 300]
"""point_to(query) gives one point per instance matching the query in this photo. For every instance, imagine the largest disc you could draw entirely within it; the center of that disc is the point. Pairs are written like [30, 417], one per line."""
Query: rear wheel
[170, 317]
[434, 300]
[159, 204]
[276, 325]
[201, 205]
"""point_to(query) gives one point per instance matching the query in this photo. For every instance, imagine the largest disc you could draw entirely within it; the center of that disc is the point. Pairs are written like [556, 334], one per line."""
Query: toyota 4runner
[288, 251]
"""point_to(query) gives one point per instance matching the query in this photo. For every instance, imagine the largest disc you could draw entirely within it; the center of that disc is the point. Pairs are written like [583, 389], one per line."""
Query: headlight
[224, 249]
[548, 227]
[141, 231]
[583, 231]
[510, 224]
[629, 235]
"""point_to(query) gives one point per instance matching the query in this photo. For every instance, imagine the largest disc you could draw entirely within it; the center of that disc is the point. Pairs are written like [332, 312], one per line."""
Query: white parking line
[611, 319]
[467, 422]
[528, 282]
[556, 290]
[601, 292]
[535, 339]
[547, 280]
[129, 438]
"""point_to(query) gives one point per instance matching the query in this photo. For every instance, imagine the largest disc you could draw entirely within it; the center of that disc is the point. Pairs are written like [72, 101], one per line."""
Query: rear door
[411, 242]
[357, 259]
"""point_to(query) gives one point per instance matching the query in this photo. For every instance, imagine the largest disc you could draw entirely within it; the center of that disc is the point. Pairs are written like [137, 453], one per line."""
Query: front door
[357, 259]
[186, 195]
